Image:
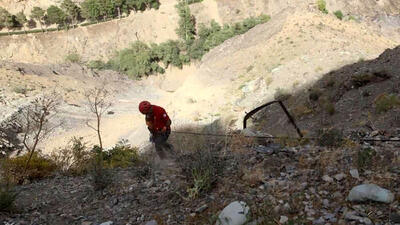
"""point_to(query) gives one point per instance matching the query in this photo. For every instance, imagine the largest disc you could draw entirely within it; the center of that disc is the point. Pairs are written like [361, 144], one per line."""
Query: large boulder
[235, 213]
[372, 192]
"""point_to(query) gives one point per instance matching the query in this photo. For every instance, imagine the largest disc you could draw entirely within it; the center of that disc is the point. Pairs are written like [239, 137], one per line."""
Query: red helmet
[144, 107]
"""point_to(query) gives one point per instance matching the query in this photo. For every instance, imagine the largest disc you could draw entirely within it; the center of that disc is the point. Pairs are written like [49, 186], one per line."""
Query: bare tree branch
[98, 101]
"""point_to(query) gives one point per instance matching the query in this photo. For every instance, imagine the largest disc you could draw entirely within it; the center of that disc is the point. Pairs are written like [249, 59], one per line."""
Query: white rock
[153, 222]
[327, 178]
[372, 192]
[340, 176]
[283, 219]
[235, 213]
[354, 173]
[107, 223]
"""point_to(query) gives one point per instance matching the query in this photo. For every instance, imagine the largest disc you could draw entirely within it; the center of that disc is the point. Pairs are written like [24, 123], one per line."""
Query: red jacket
[158, 119]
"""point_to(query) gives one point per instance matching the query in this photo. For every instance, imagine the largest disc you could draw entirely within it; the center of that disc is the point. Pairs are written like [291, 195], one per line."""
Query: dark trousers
[160, 141]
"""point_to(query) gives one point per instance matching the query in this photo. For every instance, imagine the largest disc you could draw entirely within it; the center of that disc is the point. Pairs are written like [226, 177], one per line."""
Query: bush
[338, 14]
[73, 58]
[100, 176]
[386, 102]
[74, 158]
[187, 22]
[330, 137]
[122, 155]
[365, 158]
[169, 53]
[201, 169]
[39, 167]
[136, 61]
[98, 64]
[322, 6]
[7, 197]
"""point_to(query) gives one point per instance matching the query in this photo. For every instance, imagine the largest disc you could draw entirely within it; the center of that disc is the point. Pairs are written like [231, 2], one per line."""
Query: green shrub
[322, 6]
[98, 64]
[338, 14]
[74, 158]
[365, 158]
[201, 169]
[7, 197]
[73, 58]
[122, 155]
[187, 23]
[169, 53]
[100, 175]
[386, 102]
[39, 167]
[330, 137]
[136, 61]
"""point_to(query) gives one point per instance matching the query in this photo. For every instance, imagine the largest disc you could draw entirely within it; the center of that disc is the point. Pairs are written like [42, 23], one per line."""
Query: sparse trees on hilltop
[21, 19]
[72, 10]
[55, 16]
[37, 14]
[6, 19]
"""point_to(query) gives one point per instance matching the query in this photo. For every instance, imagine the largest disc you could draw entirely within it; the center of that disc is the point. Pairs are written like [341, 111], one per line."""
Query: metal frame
[291, 119]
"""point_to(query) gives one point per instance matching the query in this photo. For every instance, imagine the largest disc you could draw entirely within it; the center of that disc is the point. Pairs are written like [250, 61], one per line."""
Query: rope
[283, 137]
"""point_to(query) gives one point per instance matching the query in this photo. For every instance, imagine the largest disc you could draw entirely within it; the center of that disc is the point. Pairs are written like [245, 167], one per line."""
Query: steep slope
[287, 54]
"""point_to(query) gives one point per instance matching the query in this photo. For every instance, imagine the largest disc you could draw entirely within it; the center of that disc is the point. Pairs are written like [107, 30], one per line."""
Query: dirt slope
[289, 53]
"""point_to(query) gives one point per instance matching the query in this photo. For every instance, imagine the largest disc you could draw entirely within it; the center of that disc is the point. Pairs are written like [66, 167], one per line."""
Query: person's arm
[167, 121]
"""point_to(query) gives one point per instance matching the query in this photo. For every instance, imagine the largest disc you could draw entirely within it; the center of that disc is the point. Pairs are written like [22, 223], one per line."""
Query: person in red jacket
[159, 125]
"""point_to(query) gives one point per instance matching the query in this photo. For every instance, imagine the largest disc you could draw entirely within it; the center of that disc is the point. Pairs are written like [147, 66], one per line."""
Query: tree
[91, 10]
[21, 19]
[6, 19]
[55, 16]
[119, 4]
[187, 24]
[72, 10]
[99, 102]
[37, 13]
[35, 122]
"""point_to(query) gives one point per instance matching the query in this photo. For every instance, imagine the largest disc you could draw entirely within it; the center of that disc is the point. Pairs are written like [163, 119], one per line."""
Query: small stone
[283, 219]
[337, 195]
[319, 221]
[340, 176]
[374, 133]
[327, 178]
[354, 173]
[325, 202]
[167, 182]
[86, 223]
[150, 183]
[152, 222]
[201, 208]
[286, 206]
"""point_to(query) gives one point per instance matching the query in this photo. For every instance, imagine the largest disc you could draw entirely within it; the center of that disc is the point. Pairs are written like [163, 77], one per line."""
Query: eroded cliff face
[93, 42]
